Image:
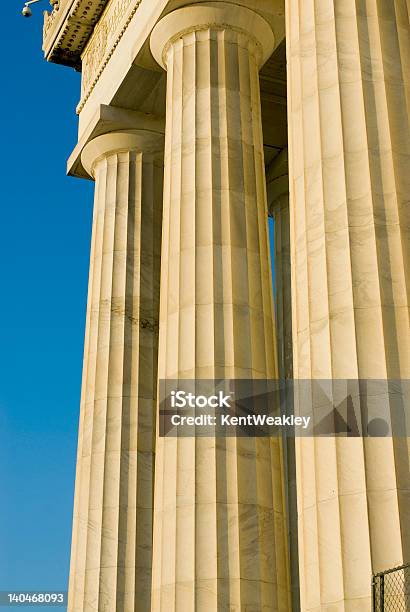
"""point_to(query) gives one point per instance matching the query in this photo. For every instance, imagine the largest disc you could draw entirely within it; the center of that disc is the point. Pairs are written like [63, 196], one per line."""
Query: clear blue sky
[44, 248]
[45, 236]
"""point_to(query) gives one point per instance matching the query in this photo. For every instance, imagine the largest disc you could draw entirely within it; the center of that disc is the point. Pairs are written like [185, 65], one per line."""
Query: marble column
[277, 181]
[219, 528]
[349, 159]
[111, 555]
[279, 210]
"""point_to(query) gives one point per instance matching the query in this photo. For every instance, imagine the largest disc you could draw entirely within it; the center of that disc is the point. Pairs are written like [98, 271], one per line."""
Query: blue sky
[44, 249]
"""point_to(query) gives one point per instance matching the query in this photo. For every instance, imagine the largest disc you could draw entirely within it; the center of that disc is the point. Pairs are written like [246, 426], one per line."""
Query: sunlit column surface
[112, 532]
[219, 529]
[349, 159]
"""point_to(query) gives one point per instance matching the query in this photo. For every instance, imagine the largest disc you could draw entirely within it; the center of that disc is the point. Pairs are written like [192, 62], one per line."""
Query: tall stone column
[349, 159]
[277, 181]
[112, 532]
[219, 535]
[279, 210]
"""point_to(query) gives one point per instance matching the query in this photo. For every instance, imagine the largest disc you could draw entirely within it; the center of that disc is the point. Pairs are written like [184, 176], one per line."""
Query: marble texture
[112, 531]
[349, 159]
[219, 518]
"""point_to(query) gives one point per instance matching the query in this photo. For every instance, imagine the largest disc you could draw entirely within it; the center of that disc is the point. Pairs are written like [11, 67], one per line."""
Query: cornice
[67, 29]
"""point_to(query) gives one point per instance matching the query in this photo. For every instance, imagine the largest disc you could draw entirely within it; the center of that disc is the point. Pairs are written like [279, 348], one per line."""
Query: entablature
[108, 40]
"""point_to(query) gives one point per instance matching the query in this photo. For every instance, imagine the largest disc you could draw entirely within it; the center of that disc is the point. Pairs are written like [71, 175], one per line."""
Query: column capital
[143, 141]
[214, 15]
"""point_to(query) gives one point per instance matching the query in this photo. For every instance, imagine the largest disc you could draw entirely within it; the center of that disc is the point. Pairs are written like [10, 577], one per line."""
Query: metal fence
[391, 590]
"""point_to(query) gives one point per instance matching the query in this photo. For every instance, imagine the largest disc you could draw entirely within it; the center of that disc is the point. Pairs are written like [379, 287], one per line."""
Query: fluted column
[277, 181]
[349, 159]
[112, 532]
[219, 535]
[279, 210]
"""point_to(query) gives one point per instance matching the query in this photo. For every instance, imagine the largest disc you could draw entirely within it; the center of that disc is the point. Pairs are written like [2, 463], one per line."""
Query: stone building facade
[197, 119]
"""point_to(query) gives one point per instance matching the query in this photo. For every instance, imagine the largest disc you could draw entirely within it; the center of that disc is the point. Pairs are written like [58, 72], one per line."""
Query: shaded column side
[277, 180]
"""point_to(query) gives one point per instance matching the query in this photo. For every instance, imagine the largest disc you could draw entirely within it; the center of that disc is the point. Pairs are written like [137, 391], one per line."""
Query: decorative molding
[102, 39]
[67, 29]
[49, 18]
[103, 43]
